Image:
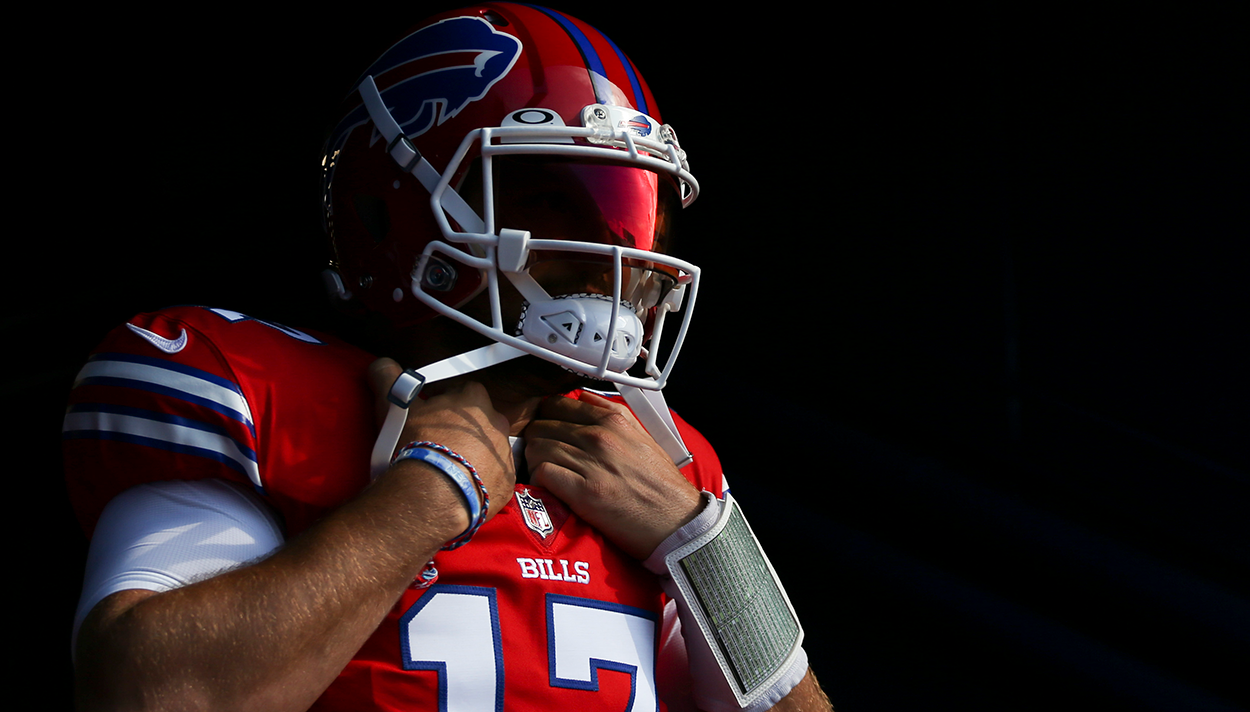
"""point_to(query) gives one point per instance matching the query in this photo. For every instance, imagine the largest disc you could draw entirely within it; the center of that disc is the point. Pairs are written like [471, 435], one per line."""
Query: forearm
[275, 634]
[807, 696]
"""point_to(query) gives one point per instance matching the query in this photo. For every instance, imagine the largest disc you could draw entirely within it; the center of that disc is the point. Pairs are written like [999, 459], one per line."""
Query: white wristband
[742, 636]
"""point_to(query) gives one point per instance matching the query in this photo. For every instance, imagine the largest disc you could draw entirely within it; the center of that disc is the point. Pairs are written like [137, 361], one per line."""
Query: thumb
[382, 375]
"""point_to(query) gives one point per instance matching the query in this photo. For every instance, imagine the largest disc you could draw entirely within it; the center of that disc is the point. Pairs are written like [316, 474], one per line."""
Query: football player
[280, 521]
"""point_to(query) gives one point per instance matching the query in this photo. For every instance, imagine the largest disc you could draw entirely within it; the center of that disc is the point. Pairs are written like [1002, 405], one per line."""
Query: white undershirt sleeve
[163, 535]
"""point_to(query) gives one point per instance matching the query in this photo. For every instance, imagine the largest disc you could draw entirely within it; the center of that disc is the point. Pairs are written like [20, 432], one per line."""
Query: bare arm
[274, 635]
[807, 696]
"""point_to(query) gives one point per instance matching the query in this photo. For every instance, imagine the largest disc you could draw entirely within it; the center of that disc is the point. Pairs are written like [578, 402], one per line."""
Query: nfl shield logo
[535, 514]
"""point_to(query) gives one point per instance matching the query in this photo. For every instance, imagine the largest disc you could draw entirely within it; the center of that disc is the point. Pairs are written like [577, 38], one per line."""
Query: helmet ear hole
[373, 215]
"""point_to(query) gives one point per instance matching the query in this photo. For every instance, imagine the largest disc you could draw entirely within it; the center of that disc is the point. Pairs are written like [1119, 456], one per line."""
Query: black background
[971, 342]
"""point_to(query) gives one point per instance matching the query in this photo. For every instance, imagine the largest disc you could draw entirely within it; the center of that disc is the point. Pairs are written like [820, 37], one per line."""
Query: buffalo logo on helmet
[639, 125]
[442, 68]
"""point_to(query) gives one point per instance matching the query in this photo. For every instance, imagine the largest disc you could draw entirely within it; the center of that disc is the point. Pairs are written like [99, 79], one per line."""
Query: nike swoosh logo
[169, 346]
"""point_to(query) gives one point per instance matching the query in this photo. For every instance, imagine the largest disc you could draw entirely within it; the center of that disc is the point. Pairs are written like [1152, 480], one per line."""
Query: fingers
[589, 409]
[382, 375]
[565, 443]
[576, 433]
[593, 454]
[463, 419]
[559, 480]
[586, 408]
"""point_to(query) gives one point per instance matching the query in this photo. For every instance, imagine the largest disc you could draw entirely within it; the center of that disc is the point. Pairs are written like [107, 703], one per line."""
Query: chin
[533, 376]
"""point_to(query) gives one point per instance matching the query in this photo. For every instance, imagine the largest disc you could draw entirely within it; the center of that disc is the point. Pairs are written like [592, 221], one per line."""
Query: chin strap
[651, 410]
[409, 384]
[402, 150]
[648, 406]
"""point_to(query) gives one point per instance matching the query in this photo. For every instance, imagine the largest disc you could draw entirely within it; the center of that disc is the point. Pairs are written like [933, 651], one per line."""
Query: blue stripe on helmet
[592, 60]
[640, 99]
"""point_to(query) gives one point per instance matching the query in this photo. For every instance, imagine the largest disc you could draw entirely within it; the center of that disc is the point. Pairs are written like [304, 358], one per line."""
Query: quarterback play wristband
[742, 635]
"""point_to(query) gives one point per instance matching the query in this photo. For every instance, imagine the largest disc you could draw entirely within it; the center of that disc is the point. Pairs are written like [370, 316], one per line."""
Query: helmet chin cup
[583, 327]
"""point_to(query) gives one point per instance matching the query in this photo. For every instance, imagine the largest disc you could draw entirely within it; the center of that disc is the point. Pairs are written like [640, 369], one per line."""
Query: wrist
[684, 507]
[460, 473]
[702, 519]
[437, 503]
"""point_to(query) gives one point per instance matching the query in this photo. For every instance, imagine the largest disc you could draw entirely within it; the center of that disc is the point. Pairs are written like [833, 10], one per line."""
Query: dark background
[970, 342]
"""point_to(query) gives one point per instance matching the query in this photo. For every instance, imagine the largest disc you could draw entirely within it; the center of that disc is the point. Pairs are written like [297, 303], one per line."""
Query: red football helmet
[515, 140]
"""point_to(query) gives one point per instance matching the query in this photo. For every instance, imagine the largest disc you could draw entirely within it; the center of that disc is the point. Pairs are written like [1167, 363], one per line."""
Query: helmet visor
[600, 203]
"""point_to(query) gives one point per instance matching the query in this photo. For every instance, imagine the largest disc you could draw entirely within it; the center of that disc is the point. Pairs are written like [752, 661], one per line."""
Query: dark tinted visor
[609, 204]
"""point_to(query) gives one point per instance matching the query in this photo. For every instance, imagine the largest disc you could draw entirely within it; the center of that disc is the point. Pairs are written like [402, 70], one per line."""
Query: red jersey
[539, 611]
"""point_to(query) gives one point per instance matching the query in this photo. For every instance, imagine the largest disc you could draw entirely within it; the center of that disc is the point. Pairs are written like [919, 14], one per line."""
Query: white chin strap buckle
[580, 326]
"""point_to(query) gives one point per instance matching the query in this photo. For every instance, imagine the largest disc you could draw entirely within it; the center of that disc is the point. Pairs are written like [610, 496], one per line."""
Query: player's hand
[595, 456]
[460, 418]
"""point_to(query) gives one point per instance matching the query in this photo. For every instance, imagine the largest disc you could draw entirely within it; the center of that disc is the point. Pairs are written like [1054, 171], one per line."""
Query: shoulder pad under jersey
[191, 392]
